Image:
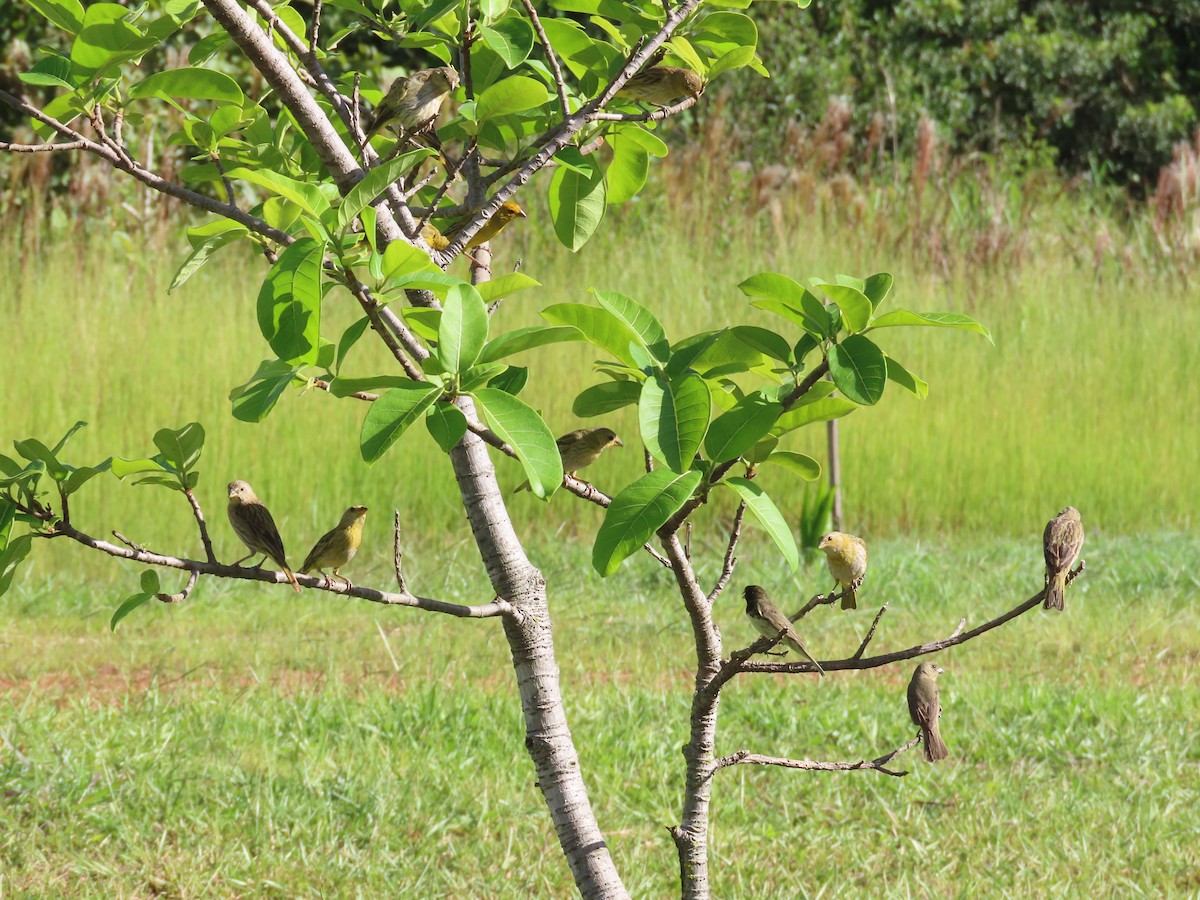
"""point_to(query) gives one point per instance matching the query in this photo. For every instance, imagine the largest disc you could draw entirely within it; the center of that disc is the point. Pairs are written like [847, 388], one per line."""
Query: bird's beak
[940, 669]
[617, 441]
[232, 494]
[523, 214]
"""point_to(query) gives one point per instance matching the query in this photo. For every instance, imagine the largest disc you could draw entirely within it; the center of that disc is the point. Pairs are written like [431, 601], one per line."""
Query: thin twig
[735, 532]
[43, 148]
[200, 524]
[314, 27]
[657, 115]
[746, 758]
[193, 577]
[862, 648]
[551, 58]
[398, 555]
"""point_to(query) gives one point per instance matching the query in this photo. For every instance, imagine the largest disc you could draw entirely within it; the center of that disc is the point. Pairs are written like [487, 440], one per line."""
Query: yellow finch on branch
[252, 522]
[662, 85]
[337, 547]
[414, 101]
[846, 555]
[508, 211]
[581, 448]
[770, 622]
[1061, 543]
[925, 708]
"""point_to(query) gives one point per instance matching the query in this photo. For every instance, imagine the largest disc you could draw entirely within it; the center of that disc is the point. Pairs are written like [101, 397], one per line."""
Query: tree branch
[200, 524]
[656, 116]
[551, 57]
[730, 560]
[746, 758]
[862, 648]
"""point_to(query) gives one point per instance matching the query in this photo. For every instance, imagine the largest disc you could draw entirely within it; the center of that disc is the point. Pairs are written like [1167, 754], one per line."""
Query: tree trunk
[691, 835]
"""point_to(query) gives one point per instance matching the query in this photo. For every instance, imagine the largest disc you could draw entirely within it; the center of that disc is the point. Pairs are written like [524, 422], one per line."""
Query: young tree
[340, 213]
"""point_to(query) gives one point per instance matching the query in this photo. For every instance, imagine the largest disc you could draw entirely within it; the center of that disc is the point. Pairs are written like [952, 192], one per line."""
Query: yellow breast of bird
[848, 561]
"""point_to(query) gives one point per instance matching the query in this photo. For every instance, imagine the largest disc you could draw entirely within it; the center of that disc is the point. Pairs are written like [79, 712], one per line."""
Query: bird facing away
[771, 622]
[846, 555]
[925, 708]
[580, 448]
[337, 546]
[662, 85]
[508, 211]
[252, 522]
[1061, 543]
[414, 101]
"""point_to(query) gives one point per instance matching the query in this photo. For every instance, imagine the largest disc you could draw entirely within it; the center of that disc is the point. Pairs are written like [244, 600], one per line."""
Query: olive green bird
[337, 547]
[925, 708]
[1061, 543]
[509, 211]
[414, 100]
[846, 555]
[581, 448]
[770, 622]
[252, 523]
[662, 85]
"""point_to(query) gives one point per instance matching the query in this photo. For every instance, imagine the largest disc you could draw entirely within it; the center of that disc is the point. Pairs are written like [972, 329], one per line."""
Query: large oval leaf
[577, 201]
[859, 369]
[392, 414]
[463, 329]
[636, 513]
[735, 432]
[524, 429]
[855, 305]
[190, 83]
[511, 95]
[376, 182]
[525, 339]
[818, 411]
[640, 321]
[599, 326]
[289, 303]
[804, 466]
[768, 515]
[673, 417]
[937, 320]
[601, 399]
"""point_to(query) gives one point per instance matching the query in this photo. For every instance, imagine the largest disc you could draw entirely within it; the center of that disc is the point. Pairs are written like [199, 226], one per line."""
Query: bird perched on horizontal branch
[337, 547]
[509, 211]
[925, 708]
[253, 524]
[846, 555]
[770, 621]
[413, 101]
[580, 448]
[662, 85]
[1061, 543]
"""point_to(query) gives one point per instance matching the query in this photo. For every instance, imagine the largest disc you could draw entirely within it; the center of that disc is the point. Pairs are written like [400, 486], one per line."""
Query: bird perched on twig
[581, 448]
[846, 555]
[662, 85]
[508, 211]
[771, 622]
[252, 522]
[925, 708]
[337, 546]
[1061, 543]
[414, 100]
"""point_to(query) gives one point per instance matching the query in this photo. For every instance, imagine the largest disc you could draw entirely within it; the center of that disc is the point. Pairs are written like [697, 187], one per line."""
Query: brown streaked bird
[337, 547]
[662, 85]
[580, 448]
[770, 622]
[925, 708]
[252, 522]
[1061, 543]
[414, 101]
[846, 555]
[508, 211]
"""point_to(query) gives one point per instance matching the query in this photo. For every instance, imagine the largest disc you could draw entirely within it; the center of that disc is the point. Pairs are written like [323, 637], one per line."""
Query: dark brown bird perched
[252, 522]
[925, 708]
[1061, 543]
[770, 622]
[581, 448]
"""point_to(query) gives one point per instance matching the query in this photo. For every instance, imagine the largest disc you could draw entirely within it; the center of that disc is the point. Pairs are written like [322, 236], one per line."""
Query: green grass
[252, 743]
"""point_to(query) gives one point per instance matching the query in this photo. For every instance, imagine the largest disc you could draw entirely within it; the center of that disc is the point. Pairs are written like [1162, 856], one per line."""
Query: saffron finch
[337, 546]
[1061, 543]
[662, 85]
[508, 211]
[252, 523]
[580, 448]
[846, 555]
[414, 101]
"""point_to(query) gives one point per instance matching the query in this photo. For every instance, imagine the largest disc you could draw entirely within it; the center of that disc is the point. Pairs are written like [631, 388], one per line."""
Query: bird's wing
[570, 439]
[264, 524]
[318, 550]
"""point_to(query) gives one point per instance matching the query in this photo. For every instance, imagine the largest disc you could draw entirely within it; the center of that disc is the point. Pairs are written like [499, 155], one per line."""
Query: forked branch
[879, 764]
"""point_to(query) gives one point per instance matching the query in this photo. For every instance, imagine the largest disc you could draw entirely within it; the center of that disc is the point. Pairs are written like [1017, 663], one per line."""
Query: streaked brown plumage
[415, 100]
[662, 85]
[580, 448]
[770, 622]
[925, 708]
[252, 522]
[1061, 543]
[508, 211]
[338, 546]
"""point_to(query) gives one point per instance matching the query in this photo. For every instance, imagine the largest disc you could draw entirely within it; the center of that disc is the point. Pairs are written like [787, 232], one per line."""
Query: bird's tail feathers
[935, 747]
[850, 601]
[523, 486]
[1054, 592]
[291, 577]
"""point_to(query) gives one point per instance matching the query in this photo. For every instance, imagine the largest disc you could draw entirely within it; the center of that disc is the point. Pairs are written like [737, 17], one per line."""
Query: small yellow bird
[580, 448]
[414, 101]
[252, 522]
[508, 211]
[337, 547]
[1061, 543]
[846, 555]
[662, 85]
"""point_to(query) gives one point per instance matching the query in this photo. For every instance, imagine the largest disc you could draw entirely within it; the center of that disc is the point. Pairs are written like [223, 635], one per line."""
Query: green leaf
[201, 254]
[344, 387]
[106, 39]
[514, 94]
[82, 475]
[650, 142]
[375, 183]
[817, 411]
[289, 303]
[601, 399]
[392, 414]
[446, 424]
[768, 515]
[673, 417]
[8, 514]
[598, 326]
[525, 339]
[307, 196]
[855, 305]
[463, 329]
[877, 287]
[254, 400]
[529, 436]
[189, 83]
[804, 466]
[34, 450]
[627, 172]
[511, 380]
[789, 299]
[127, 606]
[764, 341]
[639, 320]
[348, 339]
[400, 259]
[577, 201]
[62, 441]
[511, 38]
[858, 369]
[906, 379]
[14, 554]
[735, 58]
[636, 513]
[497, 288]
[737, 431]
[64, 14]
[937, 320]
[150, 582]
[691, 349]
[180, 447]
[50, 71]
